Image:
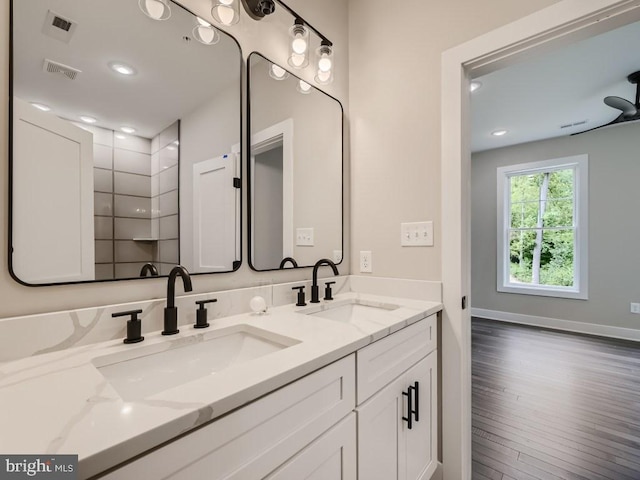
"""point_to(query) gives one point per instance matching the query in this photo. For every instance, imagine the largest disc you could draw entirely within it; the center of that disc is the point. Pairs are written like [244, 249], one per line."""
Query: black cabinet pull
[416, 390]
[409, 417]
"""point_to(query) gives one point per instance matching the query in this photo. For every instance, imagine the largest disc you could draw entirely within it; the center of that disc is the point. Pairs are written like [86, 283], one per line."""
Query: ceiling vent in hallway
[50, 66]
[58, 27]
[574, 124]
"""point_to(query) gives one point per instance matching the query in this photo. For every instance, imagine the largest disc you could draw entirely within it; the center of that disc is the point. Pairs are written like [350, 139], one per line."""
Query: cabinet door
[387, 448]
[379, 433]
[330, 457]
[420, 442]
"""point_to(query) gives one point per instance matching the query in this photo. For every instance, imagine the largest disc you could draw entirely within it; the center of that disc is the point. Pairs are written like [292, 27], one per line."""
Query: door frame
[560, 24]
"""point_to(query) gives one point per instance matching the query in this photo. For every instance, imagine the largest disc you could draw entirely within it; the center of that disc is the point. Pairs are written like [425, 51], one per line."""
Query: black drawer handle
[409, 417]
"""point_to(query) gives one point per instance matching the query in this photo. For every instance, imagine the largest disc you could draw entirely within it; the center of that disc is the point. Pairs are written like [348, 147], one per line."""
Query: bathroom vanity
[336, 390]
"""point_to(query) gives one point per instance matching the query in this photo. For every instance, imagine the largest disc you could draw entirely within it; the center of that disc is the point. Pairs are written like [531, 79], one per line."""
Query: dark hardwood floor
[550, 405]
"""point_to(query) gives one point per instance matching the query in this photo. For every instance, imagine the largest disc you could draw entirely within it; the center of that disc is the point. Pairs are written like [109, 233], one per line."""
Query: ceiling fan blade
[628, 109]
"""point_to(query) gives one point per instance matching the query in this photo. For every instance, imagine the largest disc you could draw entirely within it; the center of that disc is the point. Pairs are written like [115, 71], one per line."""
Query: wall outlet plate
[635, 308]
[366, 262]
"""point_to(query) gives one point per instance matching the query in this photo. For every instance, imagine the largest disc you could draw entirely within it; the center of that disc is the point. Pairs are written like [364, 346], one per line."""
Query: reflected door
[214, 208]
[52, 199]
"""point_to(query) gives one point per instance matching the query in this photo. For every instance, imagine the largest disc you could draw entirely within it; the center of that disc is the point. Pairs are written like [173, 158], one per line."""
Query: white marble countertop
[59, 402]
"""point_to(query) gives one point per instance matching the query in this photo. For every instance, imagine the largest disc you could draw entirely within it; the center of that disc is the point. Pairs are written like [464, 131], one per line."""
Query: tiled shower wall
[165, 155]
[122, 204]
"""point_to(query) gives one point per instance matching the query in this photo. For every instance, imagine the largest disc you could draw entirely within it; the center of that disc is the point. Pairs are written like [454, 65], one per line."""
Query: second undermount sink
[145, 371]
[352, 310]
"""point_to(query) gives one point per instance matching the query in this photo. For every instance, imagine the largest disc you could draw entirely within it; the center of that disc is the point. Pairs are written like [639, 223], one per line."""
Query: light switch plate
[304, 237]
[416, 234]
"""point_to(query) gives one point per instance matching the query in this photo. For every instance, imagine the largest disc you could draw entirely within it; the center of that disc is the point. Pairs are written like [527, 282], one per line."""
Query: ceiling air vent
[58, 26]
[574, 124]
[54, 67]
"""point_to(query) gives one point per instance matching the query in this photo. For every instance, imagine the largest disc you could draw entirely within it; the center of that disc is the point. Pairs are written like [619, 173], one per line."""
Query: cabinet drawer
[383, 361]
[253, 441]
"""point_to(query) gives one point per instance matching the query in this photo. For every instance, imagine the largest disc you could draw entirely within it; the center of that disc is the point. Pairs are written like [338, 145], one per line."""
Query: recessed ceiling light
[41, 106]
[122, 68]
[128, 130]
[87, 119]
[474, 85]
[120, 136]
[499, 133]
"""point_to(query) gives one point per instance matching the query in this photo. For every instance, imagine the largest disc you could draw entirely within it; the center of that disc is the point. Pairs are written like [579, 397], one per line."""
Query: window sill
[544, 291]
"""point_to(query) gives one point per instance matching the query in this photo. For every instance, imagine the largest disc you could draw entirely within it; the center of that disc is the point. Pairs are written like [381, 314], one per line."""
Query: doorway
[559, 24]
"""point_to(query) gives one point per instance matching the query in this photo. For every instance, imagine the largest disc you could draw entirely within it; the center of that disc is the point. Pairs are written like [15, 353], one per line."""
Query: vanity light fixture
[324, 54]
[155, 9]
[474, 85]
[499, 133]
[225, 12]
[41, 106]
[299, 44]
[277, 72]
[87, 119]
[303, 87]
[205, 33]
[122, 68]
[128, 130]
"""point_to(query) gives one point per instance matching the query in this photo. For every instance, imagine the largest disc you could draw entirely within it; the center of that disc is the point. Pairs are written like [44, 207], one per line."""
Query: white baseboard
[567, 325]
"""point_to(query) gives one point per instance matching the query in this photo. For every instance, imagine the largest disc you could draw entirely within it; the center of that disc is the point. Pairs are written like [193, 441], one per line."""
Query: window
[542, 228]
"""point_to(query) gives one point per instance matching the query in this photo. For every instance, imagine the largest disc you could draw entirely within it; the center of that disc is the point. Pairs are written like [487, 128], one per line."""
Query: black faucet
[314, 287]
[149, 268]
[171, 311]
[288, 259]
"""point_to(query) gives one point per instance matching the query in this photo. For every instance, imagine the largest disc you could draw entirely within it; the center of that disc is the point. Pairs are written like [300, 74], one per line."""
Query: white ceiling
[174, 76]
[532, 99]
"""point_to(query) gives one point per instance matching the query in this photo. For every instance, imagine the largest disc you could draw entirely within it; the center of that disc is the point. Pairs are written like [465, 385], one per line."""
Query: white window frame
[580, 288]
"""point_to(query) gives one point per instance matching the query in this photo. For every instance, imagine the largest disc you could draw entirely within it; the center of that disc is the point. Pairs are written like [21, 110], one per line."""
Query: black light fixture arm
[258, 9]
[299, 19]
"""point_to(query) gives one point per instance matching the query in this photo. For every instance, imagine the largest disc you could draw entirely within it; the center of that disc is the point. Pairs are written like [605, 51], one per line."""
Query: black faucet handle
[327, 291]
[202, 303]
[134, 325]
[301, 300]
[201, 313]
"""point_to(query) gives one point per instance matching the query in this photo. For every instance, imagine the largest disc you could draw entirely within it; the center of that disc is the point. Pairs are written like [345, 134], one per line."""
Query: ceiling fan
[629, 111]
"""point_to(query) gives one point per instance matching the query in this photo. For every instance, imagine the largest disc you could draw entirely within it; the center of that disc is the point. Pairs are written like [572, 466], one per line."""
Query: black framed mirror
[295, 170]
[125, 142]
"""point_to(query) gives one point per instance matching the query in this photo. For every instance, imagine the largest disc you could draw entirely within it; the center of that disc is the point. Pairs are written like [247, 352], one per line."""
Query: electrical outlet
[365, 262]
[337, 256]
[635, 307]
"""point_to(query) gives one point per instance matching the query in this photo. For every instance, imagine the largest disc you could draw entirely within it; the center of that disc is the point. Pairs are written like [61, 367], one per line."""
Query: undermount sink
[352, 310]
[145, 371]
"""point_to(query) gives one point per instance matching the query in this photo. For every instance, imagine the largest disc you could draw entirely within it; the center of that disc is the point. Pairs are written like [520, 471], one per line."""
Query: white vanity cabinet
[315, 429]
[279, 436]
[397, 425]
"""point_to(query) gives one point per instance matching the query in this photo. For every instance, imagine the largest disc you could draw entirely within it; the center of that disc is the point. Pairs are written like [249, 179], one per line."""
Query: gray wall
[614, 232]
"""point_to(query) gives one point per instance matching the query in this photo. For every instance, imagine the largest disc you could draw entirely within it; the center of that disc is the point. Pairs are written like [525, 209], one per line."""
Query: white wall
[270, 38]
[613, 232]
[395, 73]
